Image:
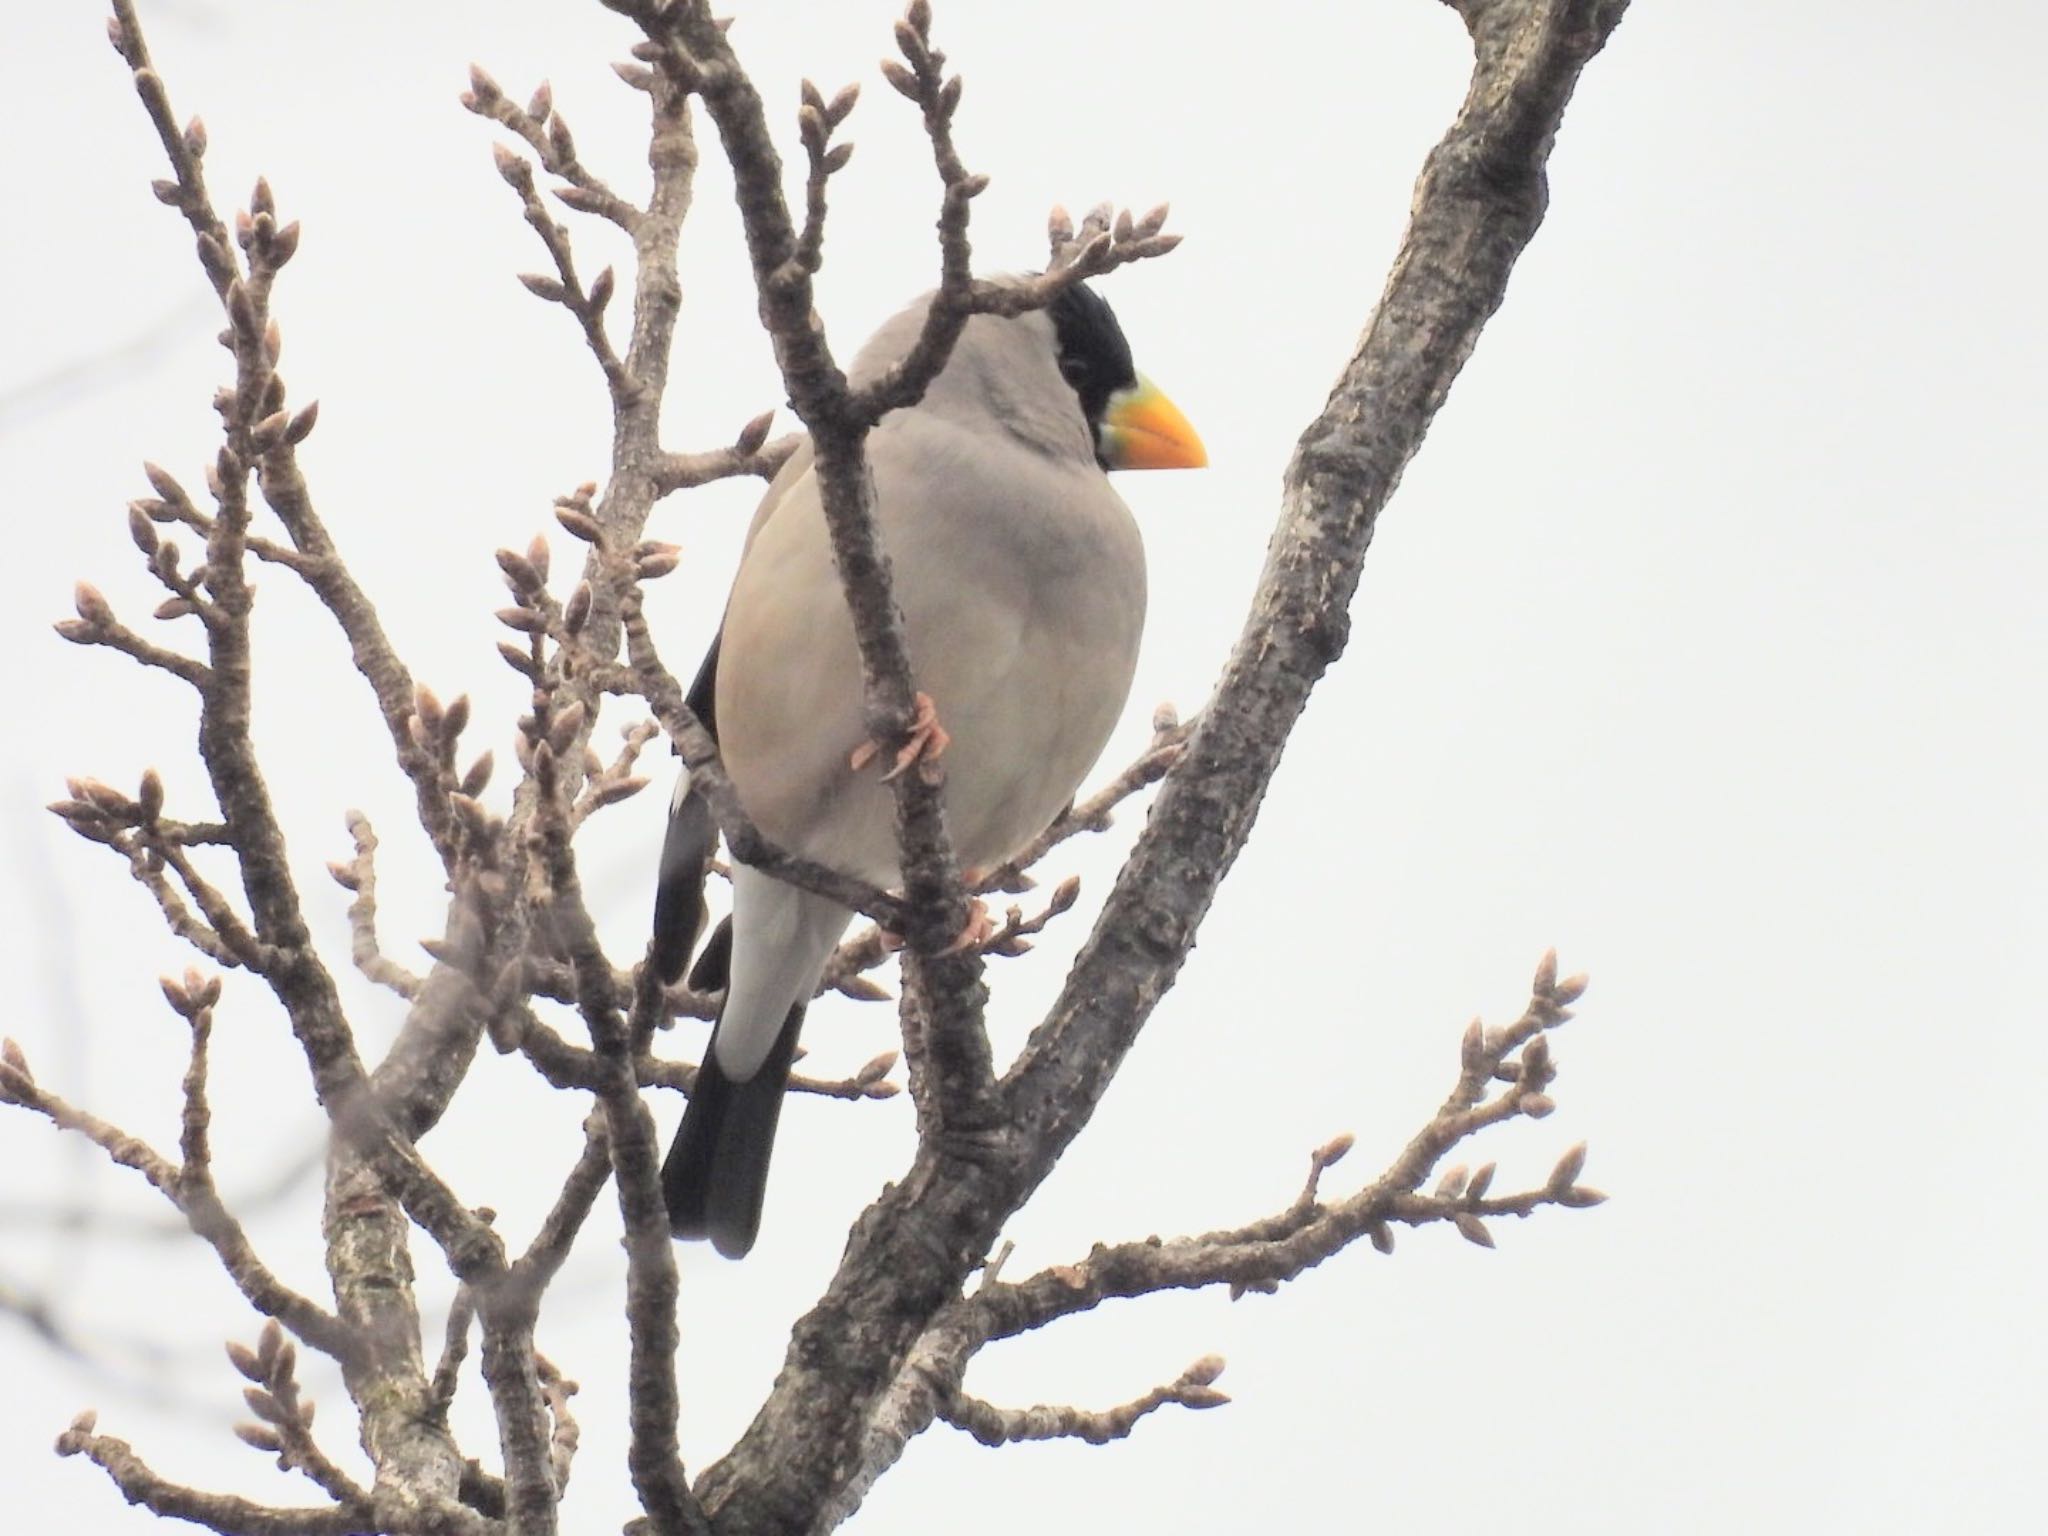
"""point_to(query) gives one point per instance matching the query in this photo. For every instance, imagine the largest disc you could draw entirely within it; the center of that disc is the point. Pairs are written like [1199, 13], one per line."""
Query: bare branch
[96, 625]
[287, 1420]
[1257, 1257]
[19, 1087]
[261, 437]
[244, 948]
[565, 1065]
[654, 1457]
[454, 1350]
[1477, 206]
[172, 505]
[609, 783]
[545, 131]
[187, 193]
[286, 493]
[587, 305]
[190, 1189]
[1264, 1254]
[685, 471]
[99, 821]
[817, 119]
[943, 999]
[530, 1492]
[359, 875]
[545, 1255]
[222, 1512]
[641, 471]
[1006, 1426]
[557, 1389]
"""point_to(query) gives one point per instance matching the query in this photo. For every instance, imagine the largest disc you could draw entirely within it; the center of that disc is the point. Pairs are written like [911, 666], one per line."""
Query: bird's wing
[1020, 576]
[686, 850]
[1021, 581]
[692, 836]
[795, 470]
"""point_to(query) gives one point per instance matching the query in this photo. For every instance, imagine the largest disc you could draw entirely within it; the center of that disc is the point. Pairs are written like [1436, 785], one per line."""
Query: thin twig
[764, 460]
[1263, 1254]
[654, 1457]
[223, 1512]
[96, 625]
[286, 1420]
[545, 1255]
[1257, 1257]
[454, 1350]
[1051, 1421]
[565, 1435]
[195, 1198]
[546, 131]
[359, 876]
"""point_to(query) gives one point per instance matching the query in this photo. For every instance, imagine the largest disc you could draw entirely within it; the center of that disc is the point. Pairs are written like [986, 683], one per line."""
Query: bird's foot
[976, 931]
[927, 740]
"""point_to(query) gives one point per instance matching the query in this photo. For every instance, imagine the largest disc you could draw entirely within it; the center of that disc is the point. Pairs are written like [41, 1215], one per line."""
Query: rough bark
[882, 1354]
[1478, 203]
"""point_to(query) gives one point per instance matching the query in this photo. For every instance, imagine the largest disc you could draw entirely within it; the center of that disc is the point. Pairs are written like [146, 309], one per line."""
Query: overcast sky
[1703, 640]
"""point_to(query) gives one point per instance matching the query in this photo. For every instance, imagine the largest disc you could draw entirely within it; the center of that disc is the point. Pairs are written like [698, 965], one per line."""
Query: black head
[1093, 356]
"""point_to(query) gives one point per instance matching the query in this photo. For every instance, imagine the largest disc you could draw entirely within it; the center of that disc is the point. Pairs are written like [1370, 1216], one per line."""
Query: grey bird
[1021, 580]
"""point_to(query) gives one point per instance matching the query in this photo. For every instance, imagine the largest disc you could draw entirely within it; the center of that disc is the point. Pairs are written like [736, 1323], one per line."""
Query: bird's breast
[1022, 587]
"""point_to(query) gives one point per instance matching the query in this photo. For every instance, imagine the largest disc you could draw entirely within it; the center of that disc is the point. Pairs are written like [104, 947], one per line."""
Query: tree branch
[222, 1512]
[909, 1253]
[746, 456]
[885, 1350]
[286, 1429]
[96, 625]
[651, 1284]
[664, 695]
[1052, 1421]
[1259, 1256]
[690, 50]
[1263, 1254]
[359, 877]
[189, 1188]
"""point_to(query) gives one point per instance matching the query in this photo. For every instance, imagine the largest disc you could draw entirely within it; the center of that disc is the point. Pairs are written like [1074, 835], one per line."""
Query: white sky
[1703, 640]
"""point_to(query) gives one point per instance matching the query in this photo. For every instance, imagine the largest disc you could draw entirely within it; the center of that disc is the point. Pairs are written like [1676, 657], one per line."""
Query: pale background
[1704, 640]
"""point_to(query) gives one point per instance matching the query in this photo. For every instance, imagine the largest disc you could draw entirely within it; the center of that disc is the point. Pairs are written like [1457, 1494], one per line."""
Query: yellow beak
[1142, 429]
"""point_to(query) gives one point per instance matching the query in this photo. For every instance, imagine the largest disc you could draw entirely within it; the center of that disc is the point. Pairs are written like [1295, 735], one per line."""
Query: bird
[1020, 575]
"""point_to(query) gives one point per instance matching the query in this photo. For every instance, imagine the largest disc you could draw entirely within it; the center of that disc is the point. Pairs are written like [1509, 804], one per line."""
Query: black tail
[716, 1175]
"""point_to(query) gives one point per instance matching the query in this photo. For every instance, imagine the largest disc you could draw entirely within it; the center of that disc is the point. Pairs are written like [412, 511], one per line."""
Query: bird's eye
[1073, 370]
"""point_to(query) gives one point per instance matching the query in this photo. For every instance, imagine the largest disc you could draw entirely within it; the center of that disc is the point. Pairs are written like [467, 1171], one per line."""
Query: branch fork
[883, 1354]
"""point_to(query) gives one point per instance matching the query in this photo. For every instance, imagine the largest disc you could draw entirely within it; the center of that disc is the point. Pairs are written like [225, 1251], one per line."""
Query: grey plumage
[1020, 575]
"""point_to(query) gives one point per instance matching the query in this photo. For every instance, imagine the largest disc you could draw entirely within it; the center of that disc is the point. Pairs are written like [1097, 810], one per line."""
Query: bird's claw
[976, 931]
[926, 741]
